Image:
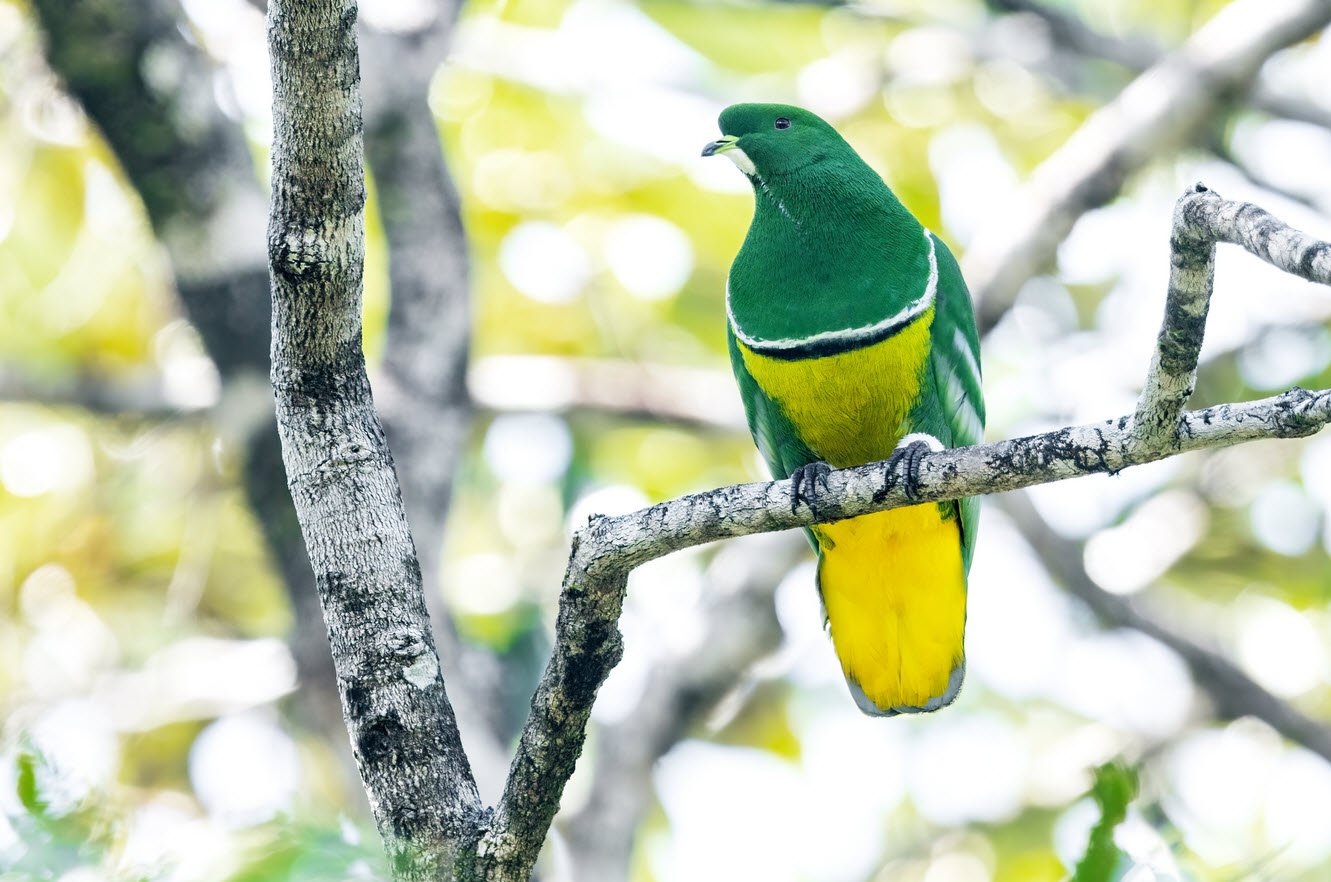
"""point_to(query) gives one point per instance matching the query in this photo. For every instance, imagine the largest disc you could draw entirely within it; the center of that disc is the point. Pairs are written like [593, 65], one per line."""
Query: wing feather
[954, 361]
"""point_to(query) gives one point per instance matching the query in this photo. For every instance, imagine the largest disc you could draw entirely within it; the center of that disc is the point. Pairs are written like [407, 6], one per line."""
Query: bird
[852, 337]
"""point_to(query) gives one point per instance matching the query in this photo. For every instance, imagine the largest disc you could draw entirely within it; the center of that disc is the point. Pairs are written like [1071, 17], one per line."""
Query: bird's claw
[904, 464]
[806, 481]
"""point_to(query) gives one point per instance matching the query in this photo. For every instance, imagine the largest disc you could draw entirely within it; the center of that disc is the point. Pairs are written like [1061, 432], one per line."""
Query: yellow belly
[893, 583]
[850, 408]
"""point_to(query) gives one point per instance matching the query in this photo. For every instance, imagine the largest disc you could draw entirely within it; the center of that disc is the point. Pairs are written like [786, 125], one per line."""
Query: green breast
[828, 252]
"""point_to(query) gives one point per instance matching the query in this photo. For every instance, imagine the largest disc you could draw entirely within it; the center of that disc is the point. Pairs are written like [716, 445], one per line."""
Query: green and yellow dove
[853, 340]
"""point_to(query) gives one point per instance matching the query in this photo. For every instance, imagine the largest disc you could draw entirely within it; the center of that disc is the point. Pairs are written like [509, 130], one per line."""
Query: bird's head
[768, 140]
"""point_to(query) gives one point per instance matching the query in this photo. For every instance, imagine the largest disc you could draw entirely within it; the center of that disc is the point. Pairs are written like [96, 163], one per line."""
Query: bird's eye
[782, 122]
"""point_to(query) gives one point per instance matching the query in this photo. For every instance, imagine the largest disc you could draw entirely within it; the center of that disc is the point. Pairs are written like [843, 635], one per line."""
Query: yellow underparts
[895, 594]
[893, 583]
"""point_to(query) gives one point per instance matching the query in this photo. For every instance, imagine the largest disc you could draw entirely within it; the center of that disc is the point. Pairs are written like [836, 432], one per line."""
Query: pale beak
[720, 145]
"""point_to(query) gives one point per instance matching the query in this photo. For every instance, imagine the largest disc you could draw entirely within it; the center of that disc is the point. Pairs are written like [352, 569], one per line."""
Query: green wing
[955, 415]
[776, 438]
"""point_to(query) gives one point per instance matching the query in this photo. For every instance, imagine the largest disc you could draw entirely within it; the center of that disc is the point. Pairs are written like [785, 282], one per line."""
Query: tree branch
[739, 628]
[1201, 219]
[588, 642]
[342, 481]
[1167, 105]
[339, 468]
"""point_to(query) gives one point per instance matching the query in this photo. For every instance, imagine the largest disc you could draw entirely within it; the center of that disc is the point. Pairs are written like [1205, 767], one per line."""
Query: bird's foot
[904, 463]
[807, 480]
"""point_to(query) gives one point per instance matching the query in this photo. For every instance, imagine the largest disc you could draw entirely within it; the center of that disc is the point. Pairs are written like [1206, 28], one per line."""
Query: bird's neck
[830, 191]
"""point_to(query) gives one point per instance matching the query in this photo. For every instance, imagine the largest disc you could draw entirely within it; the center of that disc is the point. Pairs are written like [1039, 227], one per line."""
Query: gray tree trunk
[339, 469]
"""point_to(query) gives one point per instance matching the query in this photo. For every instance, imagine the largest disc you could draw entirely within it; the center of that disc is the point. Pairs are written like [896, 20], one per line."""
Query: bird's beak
[720, 145]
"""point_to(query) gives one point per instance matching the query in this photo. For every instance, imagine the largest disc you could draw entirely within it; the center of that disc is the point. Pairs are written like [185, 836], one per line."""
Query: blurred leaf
[299, 853]
[1114, 789]
[742, 38]
[28, 792]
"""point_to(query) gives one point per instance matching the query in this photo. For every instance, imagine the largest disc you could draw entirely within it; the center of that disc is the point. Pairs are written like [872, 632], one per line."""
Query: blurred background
[168, 707]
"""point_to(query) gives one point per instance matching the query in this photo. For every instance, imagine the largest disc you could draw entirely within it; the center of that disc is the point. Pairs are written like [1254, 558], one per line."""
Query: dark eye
[782, 122]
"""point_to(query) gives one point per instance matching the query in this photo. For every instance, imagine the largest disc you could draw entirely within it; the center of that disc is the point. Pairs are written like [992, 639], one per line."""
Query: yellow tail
[894, 589]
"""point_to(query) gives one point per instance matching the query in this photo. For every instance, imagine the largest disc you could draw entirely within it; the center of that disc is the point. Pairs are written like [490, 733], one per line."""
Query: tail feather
[894, 588]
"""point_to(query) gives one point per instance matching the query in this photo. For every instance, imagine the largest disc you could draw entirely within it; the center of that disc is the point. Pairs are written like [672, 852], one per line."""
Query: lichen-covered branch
[588, 642]
[339, 469]
[739, 627]
[1166, 105]
[1173, 371]
[1202, 218]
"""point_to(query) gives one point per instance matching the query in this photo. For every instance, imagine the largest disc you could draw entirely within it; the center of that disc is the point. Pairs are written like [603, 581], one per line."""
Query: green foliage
[304, 853]
[1113, 791]
[26, 766]
[90, 834]
[55, 837]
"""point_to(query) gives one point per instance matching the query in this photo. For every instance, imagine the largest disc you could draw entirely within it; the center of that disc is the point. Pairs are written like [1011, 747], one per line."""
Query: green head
[769, 140]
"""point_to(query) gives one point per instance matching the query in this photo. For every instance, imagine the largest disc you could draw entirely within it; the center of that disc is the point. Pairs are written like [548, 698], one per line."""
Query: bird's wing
[776, 438]
[954, 363]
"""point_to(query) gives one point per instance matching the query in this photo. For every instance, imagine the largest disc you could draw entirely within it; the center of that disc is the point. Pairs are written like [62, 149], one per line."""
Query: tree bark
[339, 469]
[423, 395]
